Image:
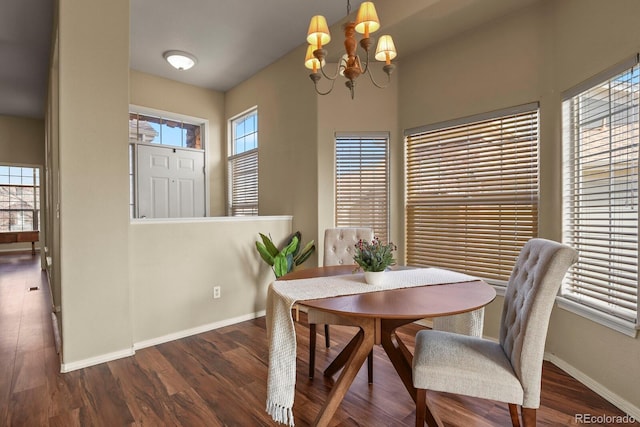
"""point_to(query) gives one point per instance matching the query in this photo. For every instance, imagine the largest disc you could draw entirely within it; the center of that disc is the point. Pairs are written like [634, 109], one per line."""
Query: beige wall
[287, 123]
[371, 110]
[585, 47]
[108, 267]
[175, 265]
[533, 55]
[93, 177]
[168, 95]
[21, 141]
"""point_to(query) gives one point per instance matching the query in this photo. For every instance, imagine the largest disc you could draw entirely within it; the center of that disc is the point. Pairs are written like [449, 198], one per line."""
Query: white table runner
[281, 296]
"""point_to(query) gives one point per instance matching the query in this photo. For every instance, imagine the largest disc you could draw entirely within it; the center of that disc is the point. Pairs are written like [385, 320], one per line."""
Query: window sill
[626, 328]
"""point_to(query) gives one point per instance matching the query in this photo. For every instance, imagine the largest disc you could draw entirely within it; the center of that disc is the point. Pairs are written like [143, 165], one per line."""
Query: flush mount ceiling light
[350, 66]
[180, 60]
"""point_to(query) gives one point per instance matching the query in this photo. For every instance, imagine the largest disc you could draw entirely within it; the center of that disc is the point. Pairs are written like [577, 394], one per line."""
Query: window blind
[362, 183]
[243, 179]
[601, 135]
[472, 192]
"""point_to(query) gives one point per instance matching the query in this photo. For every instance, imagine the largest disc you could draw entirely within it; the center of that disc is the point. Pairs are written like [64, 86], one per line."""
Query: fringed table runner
[283, 294]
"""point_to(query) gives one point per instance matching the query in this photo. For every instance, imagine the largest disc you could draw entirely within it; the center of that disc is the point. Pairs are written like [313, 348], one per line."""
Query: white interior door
[170, 182]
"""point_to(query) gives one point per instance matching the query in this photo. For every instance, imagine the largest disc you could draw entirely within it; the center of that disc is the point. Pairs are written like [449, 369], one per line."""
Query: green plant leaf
[280, 267]
[305, 253]
[290, 263]
[299, 236]
[290, 249]
[264, 253]
[269, 245]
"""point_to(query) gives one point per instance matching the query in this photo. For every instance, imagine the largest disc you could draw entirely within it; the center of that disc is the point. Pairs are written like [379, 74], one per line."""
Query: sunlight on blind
[362, 183]
[601, 195]
[243, 173]
[472, 194]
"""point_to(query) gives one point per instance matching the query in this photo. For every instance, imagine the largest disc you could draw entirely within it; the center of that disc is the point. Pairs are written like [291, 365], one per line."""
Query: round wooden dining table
[378, 315]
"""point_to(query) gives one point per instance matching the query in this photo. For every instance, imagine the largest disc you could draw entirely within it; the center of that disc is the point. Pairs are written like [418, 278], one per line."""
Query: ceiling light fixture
[350, 65]
[180, 60]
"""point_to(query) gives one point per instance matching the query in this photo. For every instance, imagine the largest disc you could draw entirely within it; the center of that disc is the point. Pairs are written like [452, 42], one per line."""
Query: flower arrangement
[374, 256]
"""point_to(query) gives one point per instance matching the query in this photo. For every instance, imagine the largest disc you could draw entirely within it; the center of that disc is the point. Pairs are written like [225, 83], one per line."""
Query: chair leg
[312, 350]
[327, 340]
[529, 417]
[370, 367]
[513, 411]
[421, 406]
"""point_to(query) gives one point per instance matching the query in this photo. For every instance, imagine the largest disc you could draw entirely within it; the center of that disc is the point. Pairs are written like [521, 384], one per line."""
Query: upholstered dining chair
[339, 245]
[470, 323]
[509, 370]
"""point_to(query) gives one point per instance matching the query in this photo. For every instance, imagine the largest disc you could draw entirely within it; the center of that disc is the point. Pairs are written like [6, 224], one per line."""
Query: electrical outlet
[216, 292]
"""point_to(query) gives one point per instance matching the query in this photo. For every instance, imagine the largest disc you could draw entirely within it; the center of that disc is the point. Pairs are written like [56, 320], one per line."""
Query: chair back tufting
[529, 297]
[339, 243]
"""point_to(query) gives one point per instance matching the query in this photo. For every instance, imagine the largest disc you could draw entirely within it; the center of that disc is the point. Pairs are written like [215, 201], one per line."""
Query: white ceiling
[231, 39]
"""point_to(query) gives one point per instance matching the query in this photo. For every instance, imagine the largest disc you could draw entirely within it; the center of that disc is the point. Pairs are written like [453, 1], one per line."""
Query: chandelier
[350, 65]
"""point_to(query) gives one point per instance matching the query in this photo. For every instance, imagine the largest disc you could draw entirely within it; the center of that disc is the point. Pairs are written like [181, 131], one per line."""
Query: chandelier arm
[366, 63]
[329, 77]
[315, 85]
[376, 84]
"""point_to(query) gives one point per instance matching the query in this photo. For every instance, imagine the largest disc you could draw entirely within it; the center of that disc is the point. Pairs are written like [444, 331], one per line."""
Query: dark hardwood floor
[216, 378]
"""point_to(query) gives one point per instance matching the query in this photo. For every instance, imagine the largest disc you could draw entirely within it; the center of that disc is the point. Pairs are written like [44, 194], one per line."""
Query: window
[362, 182]
[472, 192]
[600, 136]
[243, 165]
[164, 131]
[19, 198]
[166, 166]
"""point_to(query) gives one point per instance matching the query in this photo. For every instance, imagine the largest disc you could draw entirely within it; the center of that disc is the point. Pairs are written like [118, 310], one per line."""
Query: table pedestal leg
[402, 360]
[360, 346]
[342, 358]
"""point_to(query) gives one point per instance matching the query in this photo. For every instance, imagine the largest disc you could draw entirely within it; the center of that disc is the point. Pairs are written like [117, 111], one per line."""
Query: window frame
[454, 130]
[243, 158]
[37, 192]
[381, 137]
[569, 299]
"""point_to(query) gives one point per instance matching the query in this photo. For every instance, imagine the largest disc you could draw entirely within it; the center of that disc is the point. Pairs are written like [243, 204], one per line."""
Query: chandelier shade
[386, 50]
[310, 61]
[318, 34]
[367, 19]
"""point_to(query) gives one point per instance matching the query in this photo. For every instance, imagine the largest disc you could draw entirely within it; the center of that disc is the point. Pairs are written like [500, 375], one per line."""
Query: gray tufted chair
[339, 245]
[509, 370]
[470, 323]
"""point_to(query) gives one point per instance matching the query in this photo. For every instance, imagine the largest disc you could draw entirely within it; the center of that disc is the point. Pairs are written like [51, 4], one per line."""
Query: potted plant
[286, 259]
[374, 258]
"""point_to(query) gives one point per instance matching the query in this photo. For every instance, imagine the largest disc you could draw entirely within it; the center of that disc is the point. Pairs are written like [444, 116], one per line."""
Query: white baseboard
[197, 330]
[85, 363]
[616, 400]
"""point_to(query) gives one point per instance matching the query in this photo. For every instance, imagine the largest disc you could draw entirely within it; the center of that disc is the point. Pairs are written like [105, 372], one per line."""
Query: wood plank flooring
[216, 378]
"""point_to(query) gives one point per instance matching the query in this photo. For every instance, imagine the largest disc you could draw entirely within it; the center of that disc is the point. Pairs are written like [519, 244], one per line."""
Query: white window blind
[600, 124]
[362, 182]
[243, 173]
[472, 192]
[243, 165]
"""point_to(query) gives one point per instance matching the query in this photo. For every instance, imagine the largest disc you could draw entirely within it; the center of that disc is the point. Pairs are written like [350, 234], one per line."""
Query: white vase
[374, 277]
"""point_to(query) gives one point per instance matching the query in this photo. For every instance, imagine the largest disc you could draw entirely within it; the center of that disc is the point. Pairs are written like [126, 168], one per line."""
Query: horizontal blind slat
[362, 186]
[601, 193]
[471, 193]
